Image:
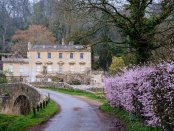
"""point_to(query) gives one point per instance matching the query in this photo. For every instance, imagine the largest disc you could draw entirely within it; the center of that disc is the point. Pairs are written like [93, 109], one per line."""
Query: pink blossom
[143, 84]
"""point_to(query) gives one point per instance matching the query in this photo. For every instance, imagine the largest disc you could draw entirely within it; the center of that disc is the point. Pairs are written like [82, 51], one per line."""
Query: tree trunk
[143, 52]
[3, 42]
[4, 37]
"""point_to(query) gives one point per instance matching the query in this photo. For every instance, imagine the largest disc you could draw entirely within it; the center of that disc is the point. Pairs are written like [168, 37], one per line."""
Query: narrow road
[78, 115]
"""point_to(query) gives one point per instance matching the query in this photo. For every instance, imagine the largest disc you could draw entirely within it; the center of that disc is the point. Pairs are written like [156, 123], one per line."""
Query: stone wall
[48, 84]
[62, 85]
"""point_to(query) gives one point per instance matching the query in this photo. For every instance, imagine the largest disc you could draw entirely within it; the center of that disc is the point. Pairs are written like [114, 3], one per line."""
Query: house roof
[17, 54]
[57, 47]
[16, 58]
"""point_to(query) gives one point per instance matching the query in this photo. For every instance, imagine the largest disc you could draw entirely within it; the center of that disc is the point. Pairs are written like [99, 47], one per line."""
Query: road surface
[78, 115]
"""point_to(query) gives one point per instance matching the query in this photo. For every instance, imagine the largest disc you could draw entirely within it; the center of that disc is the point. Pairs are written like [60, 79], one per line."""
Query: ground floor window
[49, 68]
[10, 68]
[49, 80]
[38, 68]
[82, 68]
[38, 79]
[21, 69]
[60, 68]
[72, 68]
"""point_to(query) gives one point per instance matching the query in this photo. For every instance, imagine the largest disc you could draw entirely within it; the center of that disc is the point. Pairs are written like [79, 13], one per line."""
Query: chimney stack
[71, 43]
[29, 45]
[63, 42]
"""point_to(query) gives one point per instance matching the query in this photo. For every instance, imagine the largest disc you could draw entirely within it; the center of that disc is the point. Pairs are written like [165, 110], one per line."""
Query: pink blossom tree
[147, 91]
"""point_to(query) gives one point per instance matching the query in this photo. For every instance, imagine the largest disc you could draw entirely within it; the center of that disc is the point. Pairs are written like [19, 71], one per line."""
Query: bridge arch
[21, 99]
[21, 105]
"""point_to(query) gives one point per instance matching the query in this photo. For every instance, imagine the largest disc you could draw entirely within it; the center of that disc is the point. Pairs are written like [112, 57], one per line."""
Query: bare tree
[5, 12]
[13, 14]
[136, 19]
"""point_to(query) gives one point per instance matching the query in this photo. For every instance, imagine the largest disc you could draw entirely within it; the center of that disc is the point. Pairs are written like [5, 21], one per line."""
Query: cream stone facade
[47, 62]
[16, 69]
[97, 79]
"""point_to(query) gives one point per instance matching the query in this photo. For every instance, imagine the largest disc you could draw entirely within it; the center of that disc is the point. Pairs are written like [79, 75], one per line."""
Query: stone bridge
[18, 98]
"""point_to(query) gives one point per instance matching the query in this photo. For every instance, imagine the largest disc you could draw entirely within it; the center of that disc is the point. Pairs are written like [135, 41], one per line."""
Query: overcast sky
[34, 1]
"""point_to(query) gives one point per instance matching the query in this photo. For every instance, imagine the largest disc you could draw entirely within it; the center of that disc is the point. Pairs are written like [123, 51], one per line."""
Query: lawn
[20, 122]
[133, 124]
[78, 92]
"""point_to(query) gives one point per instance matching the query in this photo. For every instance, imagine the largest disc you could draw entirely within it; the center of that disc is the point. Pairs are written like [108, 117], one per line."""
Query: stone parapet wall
[9, 93]
[48, 84]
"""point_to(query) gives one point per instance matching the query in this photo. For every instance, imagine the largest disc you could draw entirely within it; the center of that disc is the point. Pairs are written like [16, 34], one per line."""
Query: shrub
[3, 79]
[57, 79]
[75, 82]
[116, 65]
[129, 59]
[147, 91]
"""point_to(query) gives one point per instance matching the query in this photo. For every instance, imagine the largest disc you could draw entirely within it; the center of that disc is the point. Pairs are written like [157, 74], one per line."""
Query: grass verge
[20, 122]
[132, 123]
[77, 92]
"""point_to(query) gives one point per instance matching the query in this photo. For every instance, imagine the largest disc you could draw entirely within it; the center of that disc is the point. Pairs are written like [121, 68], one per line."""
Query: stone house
[50, 62]
[96, 79]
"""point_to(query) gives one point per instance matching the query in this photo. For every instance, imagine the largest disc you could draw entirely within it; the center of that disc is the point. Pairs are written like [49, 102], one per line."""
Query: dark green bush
[3, 79]
[75, 82]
